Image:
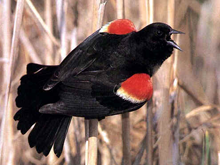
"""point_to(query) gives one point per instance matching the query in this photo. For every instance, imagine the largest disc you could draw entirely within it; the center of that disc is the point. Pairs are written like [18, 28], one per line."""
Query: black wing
[81, 57]
[90, 95]
[104, 90]
[87, 85]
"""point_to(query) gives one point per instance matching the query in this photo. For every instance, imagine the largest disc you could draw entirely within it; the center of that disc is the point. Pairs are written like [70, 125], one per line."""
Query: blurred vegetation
[183, 120]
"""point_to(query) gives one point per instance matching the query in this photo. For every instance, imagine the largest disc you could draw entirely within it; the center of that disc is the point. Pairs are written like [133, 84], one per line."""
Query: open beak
[175, 32]
[171, 42]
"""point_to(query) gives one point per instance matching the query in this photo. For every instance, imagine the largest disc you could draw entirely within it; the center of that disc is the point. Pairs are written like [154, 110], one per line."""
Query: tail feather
[59, 141]
[26, 120]
[49, 130]
[46, 132]
[43, 142]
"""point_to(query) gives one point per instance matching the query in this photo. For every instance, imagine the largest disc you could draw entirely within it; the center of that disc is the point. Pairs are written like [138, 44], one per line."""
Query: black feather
[31, 97]
[84, 84]
[59, 141]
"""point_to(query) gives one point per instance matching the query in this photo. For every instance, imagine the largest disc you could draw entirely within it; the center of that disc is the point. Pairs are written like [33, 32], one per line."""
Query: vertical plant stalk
[124, 117]
[215, 43]
[49, 23]
[7, 150]
[91, 126]
[61, 14]
[149, 6]
[67, 151]
[171, 12]
[76, 129]
[143, 8]
[87, 141]
[93, 142]
[151, 11]
[174, 92]
[120, 9]
[163, 86]
[165, 144]
[218, 157]
[95, 14]
[149, 140]
[6, 29]
[126, 138]
[213, 59]
[174, 88]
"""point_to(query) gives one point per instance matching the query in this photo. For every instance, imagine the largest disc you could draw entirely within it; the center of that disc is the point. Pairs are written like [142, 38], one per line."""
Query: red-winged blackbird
[107, 74]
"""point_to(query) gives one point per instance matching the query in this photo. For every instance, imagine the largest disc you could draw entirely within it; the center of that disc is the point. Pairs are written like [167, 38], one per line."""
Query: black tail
[49, 130]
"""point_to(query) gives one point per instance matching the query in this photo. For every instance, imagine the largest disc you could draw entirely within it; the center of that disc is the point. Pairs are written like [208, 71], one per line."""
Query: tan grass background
[181, 123]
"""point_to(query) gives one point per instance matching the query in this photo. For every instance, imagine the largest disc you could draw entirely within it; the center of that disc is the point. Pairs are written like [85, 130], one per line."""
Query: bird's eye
[159, 33]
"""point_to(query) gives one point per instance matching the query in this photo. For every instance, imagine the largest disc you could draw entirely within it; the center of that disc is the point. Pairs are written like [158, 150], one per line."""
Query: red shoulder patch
[136, 89]
[119, 26]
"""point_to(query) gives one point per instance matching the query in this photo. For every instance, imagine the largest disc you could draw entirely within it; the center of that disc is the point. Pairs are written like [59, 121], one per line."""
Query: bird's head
[157, 37]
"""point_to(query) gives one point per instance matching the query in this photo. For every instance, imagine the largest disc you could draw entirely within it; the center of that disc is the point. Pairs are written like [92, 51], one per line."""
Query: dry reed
[6, 144]
[181, 124]
[92, 125]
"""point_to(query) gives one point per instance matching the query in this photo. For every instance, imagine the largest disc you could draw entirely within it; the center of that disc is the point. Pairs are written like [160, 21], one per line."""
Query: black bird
[107, 74]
